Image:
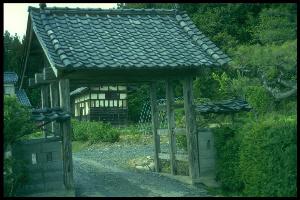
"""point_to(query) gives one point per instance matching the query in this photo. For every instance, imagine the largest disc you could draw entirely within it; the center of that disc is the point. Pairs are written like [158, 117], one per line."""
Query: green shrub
[227, 162]
[13, 179]
[94, 132]
[181, 142]
[259, 99]
[268, 156]
[17, 122]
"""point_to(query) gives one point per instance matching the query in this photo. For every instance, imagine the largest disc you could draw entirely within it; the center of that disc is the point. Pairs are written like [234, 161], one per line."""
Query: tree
[273, 58]
[17, 122]
[13, 52]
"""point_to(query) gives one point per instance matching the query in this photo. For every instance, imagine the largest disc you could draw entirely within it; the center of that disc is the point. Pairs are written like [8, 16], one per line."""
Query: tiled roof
[123, 38]
[22, 98]
[49, 114]
[224, 106]
[78, 90]
[10, 77]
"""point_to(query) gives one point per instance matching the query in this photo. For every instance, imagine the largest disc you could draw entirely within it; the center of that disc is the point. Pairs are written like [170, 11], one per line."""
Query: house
[107, 103]
[10, 84]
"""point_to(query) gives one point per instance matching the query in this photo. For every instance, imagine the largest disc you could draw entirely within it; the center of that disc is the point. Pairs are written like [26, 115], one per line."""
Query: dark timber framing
[171, 125]
[64, 94]
[191, 129]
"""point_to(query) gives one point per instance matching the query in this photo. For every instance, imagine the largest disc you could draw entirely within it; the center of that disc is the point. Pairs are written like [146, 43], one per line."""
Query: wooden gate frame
[60, 95]
[191, 127]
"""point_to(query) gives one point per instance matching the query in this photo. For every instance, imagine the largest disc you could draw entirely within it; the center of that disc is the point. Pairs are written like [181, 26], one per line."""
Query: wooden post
[54, 102]
[155, 125]
[171, 125]
[64, 97]
[45, 103]
[191, 129]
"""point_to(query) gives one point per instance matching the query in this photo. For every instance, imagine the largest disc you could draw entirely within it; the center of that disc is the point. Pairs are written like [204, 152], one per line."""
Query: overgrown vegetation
[94, 132]
[17, 124]
[256, 158]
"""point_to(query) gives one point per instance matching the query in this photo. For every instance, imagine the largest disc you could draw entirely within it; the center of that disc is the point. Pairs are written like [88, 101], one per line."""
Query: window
[111, 103]
[123, 96]
[101, 103]
[33, 158]
[92, 103]
[124, 103]
[113, 88]
[104, 88]
[121, 88]
[93, 96]
[87, 108]
[106, 103]
[97, 104]
[87, 97]
[115, 103]
[94, 88]
[101, 96]
[120, 103]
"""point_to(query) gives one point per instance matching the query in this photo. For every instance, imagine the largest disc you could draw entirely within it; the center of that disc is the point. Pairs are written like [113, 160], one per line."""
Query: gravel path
[103, 172]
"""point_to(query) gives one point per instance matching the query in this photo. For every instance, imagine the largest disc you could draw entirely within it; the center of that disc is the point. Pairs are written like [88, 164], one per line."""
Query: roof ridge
[105, 11]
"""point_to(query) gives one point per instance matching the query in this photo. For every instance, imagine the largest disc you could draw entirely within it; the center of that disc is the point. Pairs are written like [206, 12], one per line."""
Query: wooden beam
[28, 44]
[171, 125]
[54, 102]
[155, 124]
[191, 129]
[45, 103]
[31, 82]
[163, 107]
[64, 97]
[48, 74]
[39, 79]
[177, 131]
[181, 157]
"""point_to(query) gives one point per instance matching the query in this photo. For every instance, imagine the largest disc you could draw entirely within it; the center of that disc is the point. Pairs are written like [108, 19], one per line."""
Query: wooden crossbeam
[38, 78]
[180, 157]
[177, 131]
[162, 107]
[31, 82]
[48, 74]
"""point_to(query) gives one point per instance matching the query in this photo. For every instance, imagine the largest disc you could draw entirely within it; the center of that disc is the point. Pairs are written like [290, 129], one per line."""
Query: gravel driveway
[103, 172]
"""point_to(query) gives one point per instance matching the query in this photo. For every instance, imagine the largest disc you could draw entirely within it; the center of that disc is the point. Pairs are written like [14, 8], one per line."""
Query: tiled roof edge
[42, 43]
[200, 39]
[106, 11]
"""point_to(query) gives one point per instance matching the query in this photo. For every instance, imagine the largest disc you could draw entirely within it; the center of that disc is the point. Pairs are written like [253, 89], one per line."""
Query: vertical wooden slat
[45, 103]
[64, 96]
[191, 129]
[171, 125]
[54, 102]
[155, 124]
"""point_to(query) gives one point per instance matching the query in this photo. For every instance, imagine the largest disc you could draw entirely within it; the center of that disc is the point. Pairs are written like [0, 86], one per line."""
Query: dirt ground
[102, 172]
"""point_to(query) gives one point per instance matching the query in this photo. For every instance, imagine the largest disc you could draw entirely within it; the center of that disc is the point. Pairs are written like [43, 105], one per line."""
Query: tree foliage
[17, 122]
